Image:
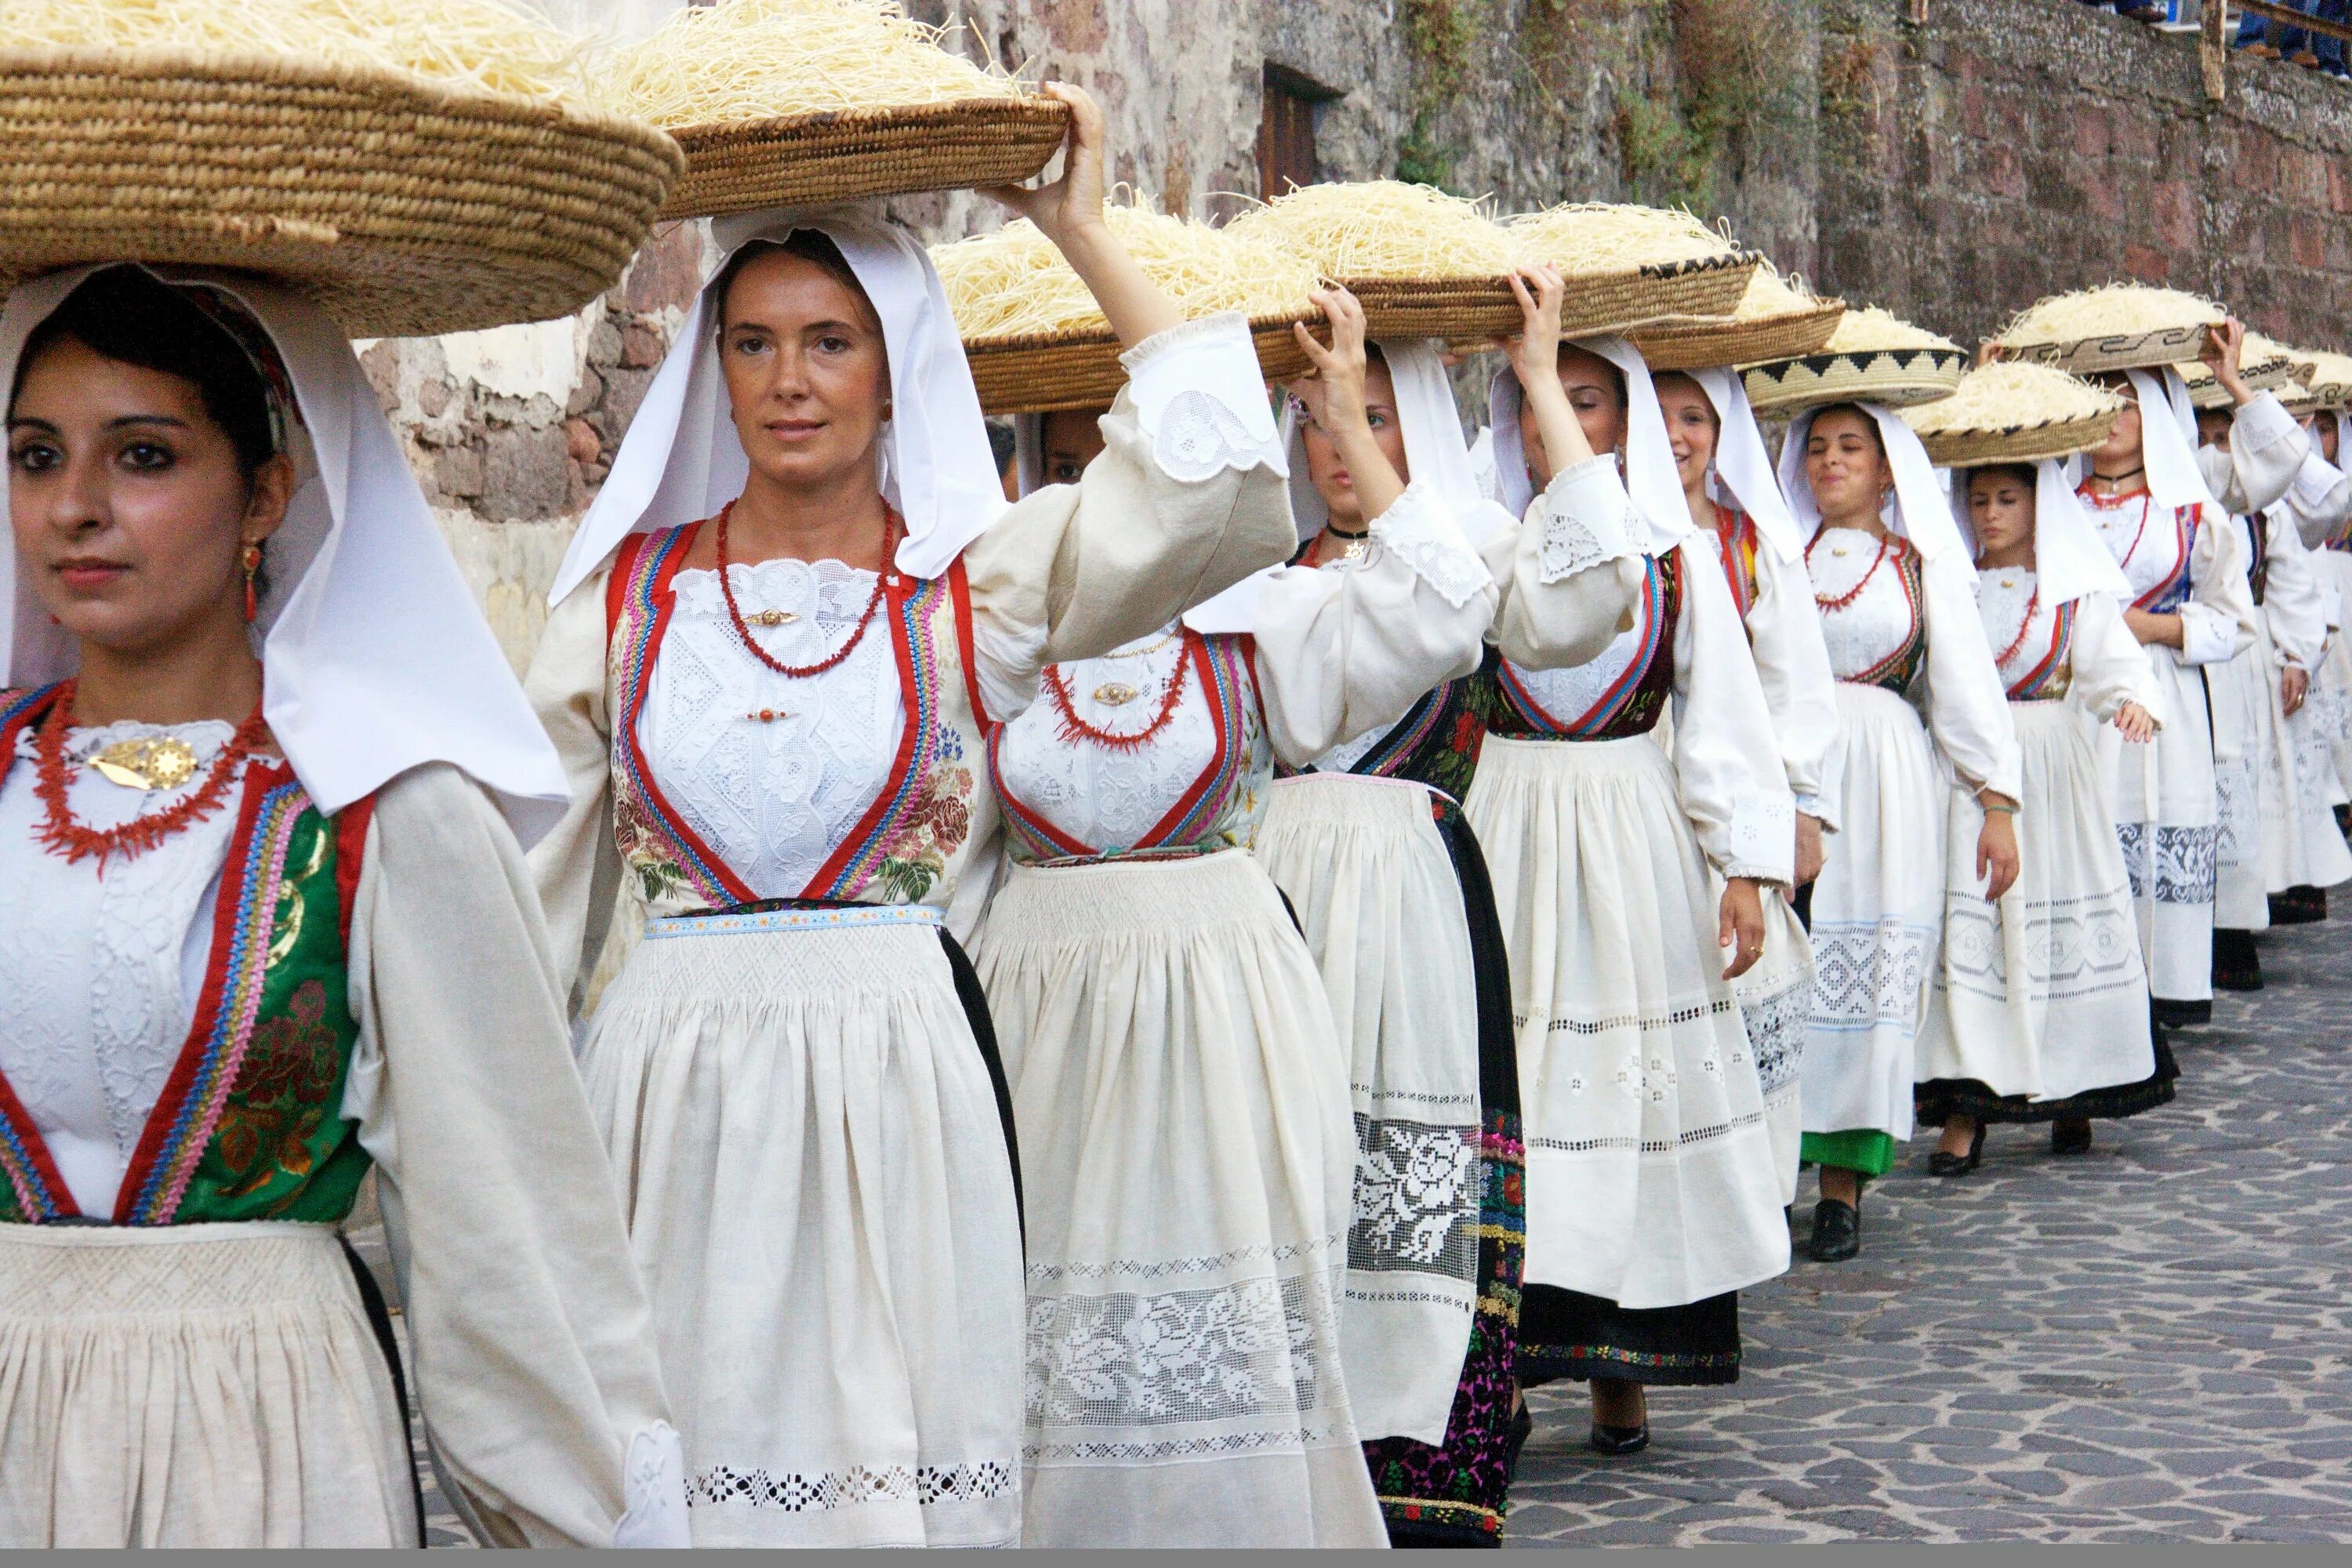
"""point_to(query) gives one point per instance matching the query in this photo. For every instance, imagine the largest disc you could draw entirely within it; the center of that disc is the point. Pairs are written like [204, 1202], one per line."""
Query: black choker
[2117, 479]
[1343, 533]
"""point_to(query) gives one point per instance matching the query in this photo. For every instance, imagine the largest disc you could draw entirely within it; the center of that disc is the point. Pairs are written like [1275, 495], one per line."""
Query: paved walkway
[2147, 1344]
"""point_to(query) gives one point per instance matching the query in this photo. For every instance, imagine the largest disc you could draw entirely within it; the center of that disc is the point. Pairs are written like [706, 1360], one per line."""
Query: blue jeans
[2291, 40]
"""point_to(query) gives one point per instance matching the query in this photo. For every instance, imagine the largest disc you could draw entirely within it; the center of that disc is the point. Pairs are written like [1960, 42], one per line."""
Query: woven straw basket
[405, 207]
[1893, 378]
[806, 159]
[2272, 373]
[1481, 309]
[2121, 350]
[2019, 443]
[1702, 344]
[1046, 373]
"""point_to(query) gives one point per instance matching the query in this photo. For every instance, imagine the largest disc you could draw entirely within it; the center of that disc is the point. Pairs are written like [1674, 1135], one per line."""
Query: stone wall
[1954, 169]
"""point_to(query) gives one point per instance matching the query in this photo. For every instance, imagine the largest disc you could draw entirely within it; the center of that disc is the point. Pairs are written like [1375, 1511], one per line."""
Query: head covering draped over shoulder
[2069, 558]
[2167, 435]
[1435, 452]
[1744, 468]
[1648, 463]
[1921, 509]
[681, 459]
[374, 656]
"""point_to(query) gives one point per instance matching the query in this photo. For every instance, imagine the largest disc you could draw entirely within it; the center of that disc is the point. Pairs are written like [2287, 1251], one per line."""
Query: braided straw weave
[804, 160]
[1699, 344]
[2014, 412]
[2119, 327]
[1483, 310]
[407, 209]
[1047, 373]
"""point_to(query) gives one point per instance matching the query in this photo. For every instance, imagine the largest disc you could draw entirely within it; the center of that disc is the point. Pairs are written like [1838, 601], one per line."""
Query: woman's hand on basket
[1741, 925]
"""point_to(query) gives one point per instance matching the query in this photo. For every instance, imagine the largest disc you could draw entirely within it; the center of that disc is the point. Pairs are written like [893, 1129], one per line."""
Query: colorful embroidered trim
[157, 1179]
[1620, 695]
[854, 864]
[1401, 743]
[1735, 545]
[2168, 594]
[1899, 668]
[864, 916]
[2029, 687]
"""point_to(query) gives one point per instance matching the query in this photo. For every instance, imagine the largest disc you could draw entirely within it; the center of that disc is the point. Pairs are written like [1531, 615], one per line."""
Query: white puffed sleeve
[1784, 628]
[1570, 571]
[2218, 622]
[1187, 498]
[528, 1329]
[2108, 666]
[1348, 647]
[2267, 444]
[1728, 764]
[577, 866]
[2294, 606]
[1966, 704]
[2320, 499]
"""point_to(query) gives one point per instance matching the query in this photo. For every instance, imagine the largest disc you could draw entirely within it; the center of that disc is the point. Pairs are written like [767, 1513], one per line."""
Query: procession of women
[1144, 869]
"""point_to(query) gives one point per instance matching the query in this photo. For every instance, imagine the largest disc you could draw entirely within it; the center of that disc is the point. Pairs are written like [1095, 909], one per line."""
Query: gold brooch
[1115, 693]
[772, 617]
[154, 761]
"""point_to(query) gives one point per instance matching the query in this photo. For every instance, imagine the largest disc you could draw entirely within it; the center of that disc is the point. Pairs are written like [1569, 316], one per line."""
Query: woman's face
[2120, 453]
[807, 375]
[1073, 439]
[1328, 475]
[1596, 392]
[1692, 427]
[129, 513]
[1845, 466]
[2322, 428]
[2000, 511]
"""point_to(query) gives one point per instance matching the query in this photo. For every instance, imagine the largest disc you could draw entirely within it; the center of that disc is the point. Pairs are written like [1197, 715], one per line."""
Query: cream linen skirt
[1776, 1004]
[1651, 1176]
[818, 1191]
[1188, 1160]
[2166, 817]
[196, 1385]
[1368, 872]
[1878, 916]
[2042, 994]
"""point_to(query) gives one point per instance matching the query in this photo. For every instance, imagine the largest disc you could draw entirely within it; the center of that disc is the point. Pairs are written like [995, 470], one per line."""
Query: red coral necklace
[59, 834]
[1886, 544]
[882, 581]
[2032, 607]
[1073, 729]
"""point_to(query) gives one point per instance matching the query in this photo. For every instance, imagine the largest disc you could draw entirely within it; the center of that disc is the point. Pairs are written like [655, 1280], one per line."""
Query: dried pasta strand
[1383, 228]
[1591, 238]
[1870, 330]
[2011, 395]
[2113, 310]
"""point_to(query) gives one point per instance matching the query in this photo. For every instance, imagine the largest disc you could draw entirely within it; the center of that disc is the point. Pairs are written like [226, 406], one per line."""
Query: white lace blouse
[2104, 665]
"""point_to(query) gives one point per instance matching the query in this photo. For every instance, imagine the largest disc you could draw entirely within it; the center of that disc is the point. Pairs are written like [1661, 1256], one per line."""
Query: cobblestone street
[2146, 1344]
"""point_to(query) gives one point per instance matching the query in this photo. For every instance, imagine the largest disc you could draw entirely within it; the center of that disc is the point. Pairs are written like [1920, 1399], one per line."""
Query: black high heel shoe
[1620, 1440]
[1942, 1165]
[2070, 1137]
[1837, 1232]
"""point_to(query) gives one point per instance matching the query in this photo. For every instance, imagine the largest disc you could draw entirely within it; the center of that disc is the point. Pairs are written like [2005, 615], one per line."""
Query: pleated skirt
[820, 1195]
[199, 1385]
[2166, 818]
[1652, 1180]
[1776, 1007]
[2043, 995]
[1190, 1156]
[1878, 915]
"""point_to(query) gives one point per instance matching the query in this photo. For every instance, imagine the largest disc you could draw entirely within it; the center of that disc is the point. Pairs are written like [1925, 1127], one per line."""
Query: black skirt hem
[1939, 1098]
[1566, 1334]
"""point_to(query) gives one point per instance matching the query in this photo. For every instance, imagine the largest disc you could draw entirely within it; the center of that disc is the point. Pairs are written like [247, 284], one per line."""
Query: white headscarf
[1647, 462]
[2069, 558]
[374, 656]
[2168, 435]
[1921, 510]
[681, 460]
[1743, 467]
[1434, 449]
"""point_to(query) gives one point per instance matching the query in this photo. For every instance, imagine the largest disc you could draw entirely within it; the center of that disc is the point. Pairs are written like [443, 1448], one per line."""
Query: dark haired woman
[1921, 706]
[1653, 1194]
[2039, 1010]
[262, 927]
[777, 645]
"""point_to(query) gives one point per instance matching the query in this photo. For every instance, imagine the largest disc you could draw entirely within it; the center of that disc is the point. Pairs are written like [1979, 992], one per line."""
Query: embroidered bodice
[1735, 546]
[1198, 784]
[2040, 666]
[1879, 635]
[1435, 743]
[1620, 694]
[773, 797]
[2153, 549]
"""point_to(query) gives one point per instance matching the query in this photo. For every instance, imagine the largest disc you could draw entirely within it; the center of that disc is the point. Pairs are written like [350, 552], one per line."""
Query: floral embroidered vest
[1436, 743]
[249, 1124]
[914, 842]
[1619, 695]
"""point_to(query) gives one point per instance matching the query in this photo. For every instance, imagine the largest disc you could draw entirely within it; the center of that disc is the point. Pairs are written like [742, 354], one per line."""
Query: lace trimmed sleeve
[1570, 571]
[1419, 530]
[1199, 398]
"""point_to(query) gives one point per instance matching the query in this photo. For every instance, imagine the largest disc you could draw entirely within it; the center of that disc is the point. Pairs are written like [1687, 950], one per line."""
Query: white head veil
[1921, 510]
[1647, 462]
[2168, 435]
[374, 657]
[1743, 467]
[2069, 558]
[681, 460]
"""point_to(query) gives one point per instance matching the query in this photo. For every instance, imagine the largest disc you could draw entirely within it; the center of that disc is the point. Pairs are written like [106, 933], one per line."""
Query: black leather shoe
[2177, 1014]
[2070, 1137]
[1620, 1440]
[1942, 1165]
[1837, 1232]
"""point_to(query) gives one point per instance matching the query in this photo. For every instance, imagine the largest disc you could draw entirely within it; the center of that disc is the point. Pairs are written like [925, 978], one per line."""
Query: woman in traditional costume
[1921, 706]
[1654, 1195]
[1734, 499]
[776, 649]
[2039, 1011]
[265, 928]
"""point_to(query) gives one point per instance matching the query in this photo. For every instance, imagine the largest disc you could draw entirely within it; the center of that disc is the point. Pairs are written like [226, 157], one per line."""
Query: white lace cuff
[2261, 424]
[1419, 529]
[1200, 400]
[1762, 839]
[653, 1491]
[2207, 636]
[1588, 518]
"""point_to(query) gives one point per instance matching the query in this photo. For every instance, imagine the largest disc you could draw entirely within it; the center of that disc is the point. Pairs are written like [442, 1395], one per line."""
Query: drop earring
[252, 565]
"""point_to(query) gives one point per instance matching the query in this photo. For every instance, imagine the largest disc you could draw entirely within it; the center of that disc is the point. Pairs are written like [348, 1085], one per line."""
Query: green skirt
[1866, 1150]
